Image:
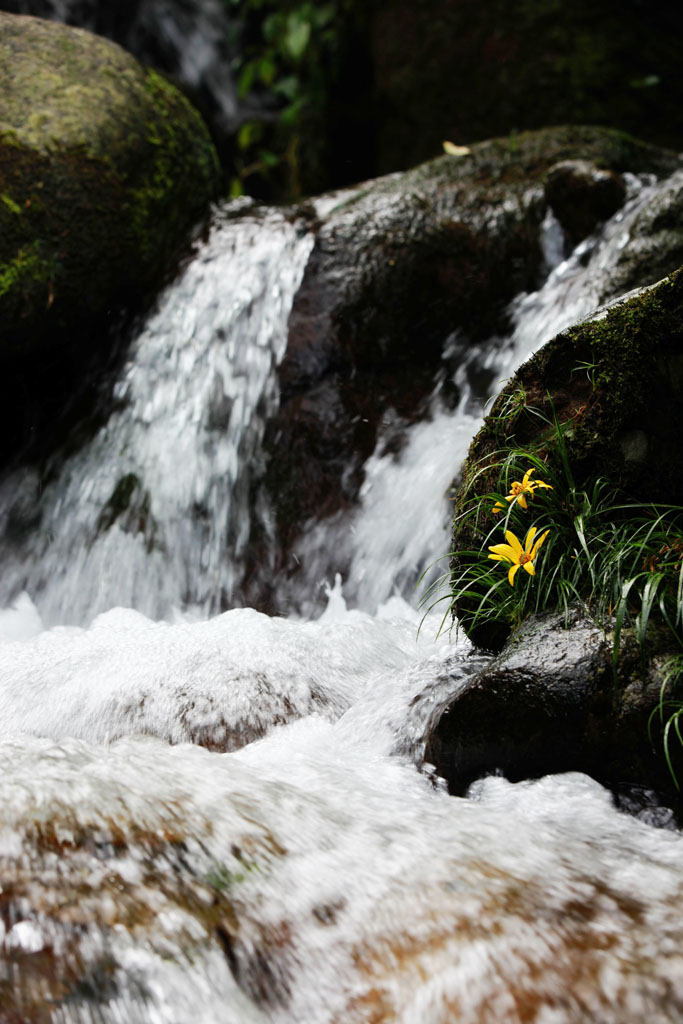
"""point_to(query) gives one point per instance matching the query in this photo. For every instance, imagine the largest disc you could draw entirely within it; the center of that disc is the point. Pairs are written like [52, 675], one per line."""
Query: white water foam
[343, 886]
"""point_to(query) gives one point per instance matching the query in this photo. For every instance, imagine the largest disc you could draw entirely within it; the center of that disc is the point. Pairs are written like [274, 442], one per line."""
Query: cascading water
[154, 513]
[312, 875]
[402, 524]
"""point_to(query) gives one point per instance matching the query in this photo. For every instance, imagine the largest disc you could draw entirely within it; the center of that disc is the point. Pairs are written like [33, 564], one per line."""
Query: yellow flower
[519, 490]
[516, 555]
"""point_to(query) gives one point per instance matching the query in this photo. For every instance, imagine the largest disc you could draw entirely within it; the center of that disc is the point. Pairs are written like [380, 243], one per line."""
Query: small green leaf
[246, 79]
[323, 15]
[287, 87]
[273, 27]
[266, 70]
[269, 159]
[10, 204]
[647, 82]
[290, 114]
[297, 37]
[249, 133]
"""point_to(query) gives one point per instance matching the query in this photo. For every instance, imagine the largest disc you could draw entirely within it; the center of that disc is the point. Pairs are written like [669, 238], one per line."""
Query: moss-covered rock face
[104, 168]
[615, 383]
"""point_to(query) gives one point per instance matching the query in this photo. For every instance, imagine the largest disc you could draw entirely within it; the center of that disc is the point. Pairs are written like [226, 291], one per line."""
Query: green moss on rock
[104, 169]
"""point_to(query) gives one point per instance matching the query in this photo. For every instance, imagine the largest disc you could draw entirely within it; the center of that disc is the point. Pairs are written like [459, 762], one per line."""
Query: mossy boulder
[104, 170]
[615, 384]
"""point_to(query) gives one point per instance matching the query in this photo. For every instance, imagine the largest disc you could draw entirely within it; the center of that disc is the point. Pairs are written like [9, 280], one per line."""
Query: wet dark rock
[582, 196]
[655, 244]
[130, 506]
[550, 702]
[24, 511]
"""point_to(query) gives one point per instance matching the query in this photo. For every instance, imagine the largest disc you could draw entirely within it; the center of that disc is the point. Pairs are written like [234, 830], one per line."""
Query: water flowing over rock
[222, 891]
[269, 399]
[165, 518]
[401, 264]
[230, 818]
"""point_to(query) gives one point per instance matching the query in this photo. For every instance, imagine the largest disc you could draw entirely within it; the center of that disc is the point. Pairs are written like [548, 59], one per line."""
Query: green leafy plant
[590, 368]
[670, 710]
[288, 54]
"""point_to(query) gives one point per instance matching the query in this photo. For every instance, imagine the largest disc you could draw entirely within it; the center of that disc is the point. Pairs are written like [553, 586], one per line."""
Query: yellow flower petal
[522, 501]
[511, 574]
[534, 550]
[514, 544]
[529, 539]
[529, 566]
[527, 477]
[503, 552]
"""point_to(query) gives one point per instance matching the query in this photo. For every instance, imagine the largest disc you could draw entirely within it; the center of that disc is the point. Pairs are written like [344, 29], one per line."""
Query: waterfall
[218, 817]
[154, 513]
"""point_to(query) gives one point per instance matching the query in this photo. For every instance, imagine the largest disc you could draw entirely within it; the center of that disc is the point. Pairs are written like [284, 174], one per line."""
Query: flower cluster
[519, 489]
[514, 553]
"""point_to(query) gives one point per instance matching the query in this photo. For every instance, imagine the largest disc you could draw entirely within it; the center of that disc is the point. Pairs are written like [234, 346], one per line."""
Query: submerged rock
[104, 170]
[552, 702]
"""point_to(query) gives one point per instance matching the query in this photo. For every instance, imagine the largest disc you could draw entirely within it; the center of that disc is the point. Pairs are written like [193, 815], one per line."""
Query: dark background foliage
[304, 96]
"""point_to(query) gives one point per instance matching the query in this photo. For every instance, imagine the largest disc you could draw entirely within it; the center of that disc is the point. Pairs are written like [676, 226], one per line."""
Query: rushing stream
[218, 817]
